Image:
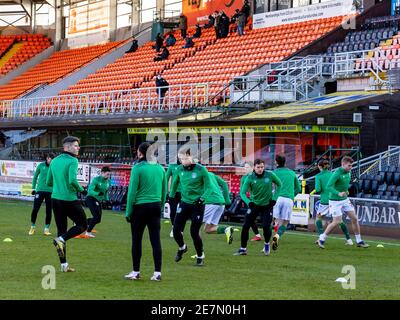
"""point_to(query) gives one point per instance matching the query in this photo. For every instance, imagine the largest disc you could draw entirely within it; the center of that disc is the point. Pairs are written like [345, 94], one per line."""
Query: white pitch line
[337, 238]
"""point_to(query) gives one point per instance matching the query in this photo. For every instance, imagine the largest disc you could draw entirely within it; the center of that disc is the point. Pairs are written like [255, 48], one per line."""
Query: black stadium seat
[367, 186]
[389, 177]
[368, 196]
[374, 186]
[376, 196]
[391, 188]
[396, 178]
[382, 187]
[393, 198]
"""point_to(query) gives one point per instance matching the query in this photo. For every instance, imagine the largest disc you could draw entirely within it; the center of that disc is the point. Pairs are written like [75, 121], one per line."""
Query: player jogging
[62, 177]
[260, 203]
[173, 202]
[41, 191]
[284, 204]
[339, 203]
[321, 182]
[97, 192]
[195, 183]
[215, 202]
[146, 196]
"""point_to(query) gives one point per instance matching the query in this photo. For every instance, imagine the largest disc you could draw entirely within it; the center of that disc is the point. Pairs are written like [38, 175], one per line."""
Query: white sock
[201, 257]
[64, 265]
[322, 237]
[182, 248]
[135, 273]
[61, 238]
[156, 273]
[258, 235]
[243, 249]
[358, 238]
[266, 243]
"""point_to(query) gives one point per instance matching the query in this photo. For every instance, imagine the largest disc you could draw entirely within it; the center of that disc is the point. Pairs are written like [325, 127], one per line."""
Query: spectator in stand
[162, 88]
[163, 56]
[159, 42]
[246, 10]
[217, 24]
[225, 22]
[240, 23]
[134, 46]
[235, 16]
[188, 43]
[183, 25]
[171, 40]
[211, 22]
[197, 34]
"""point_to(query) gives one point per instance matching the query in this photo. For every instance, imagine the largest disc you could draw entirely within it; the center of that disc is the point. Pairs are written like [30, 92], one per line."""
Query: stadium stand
[15, 50]
[385, 185]
[210, 61]
[58, 65]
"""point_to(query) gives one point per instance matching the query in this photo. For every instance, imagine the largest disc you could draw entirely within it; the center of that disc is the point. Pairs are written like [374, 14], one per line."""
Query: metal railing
[142, 100]
[378, 162]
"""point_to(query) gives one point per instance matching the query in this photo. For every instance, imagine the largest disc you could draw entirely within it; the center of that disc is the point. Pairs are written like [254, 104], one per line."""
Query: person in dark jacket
[246, 10]
[225, 22]
[188, 43]
[163, 56]
[171, 40]
[159, 42]
[162, 88]
[134, 46]
[183, 25]
[217, 24]
[197, 34]
[210, 23]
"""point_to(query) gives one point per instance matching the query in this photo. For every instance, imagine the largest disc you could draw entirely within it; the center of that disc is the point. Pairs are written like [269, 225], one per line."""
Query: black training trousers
[173, 206]
[68, 209]
[266, 217]
[195, 213]
[147, 214]
[37, 202]
[95, 208]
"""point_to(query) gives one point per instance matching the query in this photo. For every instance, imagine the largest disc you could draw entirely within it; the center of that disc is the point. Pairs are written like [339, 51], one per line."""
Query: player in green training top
[62, 177]
[261, 202]
[321, 182]
[41, 192]
[97, 193]
[339, 203]
[146, 196]
[215, 201]
[195, 183]
[173, 202]
[284, 204]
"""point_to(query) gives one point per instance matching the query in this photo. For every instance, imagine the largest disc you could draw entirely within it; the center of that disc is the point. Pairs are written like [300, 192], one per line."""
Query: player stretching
[260, 203]
[215, 206]
[62, 177]
[321, 182]
[339, 203]
[173, 202]
[195, 183]
[97, 192]
[41, 191]
[284, 204]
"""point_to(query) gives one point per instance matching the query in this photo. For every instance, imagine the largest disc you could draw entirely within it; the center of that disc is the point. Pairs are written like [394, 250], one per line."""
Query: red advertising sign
[197, 11]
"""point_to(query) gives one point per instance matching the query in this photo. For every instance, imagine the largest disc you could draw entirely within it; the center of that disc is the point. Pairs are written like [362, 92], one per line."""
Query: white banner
[26, 169]
[316, 11]
[301, 210]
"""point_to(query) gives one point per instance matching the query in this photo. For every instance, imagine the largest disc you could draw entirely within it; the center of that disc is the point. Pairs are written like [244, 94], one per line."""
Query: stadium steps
[8, 55]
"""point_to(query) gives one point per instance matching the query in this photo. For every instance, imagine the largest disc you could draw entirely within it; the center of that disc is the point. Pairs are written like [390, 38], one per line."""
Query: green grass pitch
[298, 270]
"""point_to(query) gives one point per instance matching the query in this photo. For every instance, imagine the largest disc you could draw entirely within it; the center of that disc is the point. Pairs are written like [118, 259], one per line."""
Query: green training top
[290, 183]
[261, 188]
[194, 181]
[40, 177]
[172, 170]
[98, 185]
[215, 196]
[147, 185]
[62, 177]
[242, 180]
[321, 182]
[338, 182]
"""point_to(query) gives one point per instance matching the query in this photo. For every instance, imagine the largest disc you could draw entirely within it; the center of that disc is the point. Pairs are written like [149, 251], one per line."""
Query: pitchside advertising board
[372, 213]
[16, 177]
[316, 11]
